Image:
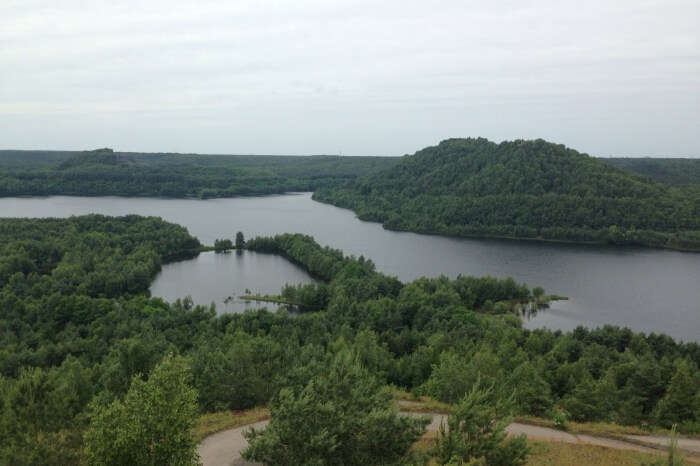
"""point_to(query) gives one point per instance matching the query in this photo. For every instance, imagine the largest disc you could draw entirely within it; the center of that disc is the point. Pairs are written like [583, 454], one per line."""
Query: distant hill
[105, 172]
[96, 157]
[521, 189]
[32, 159]
[676, 171]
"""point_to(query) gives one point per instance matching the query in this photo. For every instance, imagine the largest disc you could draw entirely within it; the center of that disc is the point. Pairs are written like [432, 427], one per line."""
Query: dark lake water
[646, 290]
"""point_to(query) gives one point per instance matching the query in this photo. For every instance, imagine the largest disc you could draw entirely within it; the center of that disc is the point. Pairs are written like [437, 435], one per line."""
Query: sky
[610, 78]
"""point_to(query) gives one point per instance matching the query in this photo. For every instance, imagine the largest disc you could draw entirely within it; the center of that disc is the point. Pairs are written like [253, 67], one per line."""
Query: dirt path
[224, 448]
[690, 445]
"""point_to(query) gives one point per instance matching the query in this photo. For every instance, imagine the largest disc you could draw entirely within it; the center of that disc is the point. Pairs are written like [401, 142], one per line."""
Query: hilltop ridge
[529, 189]
[104, 156]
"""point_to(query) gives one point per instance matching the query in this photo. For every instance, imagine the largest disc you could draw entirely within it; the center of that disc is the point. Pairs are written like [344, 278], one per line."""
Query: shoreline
[487, 236]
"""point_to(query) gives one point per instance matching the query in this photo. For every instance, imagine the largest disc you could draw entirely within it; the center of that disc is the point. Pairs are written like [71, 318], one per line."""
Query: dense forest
[103, 173]
[522, 189]
[93, 371]
[675, 171]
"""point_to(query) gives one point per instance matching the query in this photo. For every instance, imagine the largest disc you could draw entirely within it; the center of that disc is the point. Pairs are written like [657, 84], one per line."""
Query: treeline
[358, 276]
[322, 262]
[522, 189]
[76, 365]
[225, 244]
[104, 172]
[675, 171]
[90, 255]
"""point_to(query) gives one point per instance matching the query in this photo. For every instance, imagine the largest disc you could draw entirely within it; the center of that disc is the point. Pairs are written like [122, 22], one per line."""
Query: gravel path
[224, 448]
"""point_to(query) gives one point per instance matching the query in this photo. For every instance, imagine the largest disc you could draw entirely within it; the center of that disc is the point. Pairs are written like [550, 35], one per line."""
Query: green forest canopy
[60, 167]
[521, 189]
[80, 336]
[103, 172]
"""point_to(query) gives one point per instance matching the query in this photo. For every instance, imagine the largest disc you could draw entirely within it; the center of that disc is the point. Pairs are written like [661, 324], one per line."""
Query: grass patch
[591, 428]
[600, 429]
[568, 454]
[211, 423]
[564, 454]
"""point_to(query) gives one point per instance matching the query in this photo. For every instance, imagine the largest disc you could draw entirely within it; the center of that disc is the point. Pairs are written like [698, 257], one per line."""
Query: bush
[341, 417]
[152, 426]
[560, 419]
[475, 432]
[222, 245]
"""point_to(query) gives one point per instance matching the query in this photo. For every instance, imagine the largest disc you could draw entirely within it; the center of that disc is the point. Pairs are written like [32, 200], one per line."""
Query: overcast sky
[607, 77]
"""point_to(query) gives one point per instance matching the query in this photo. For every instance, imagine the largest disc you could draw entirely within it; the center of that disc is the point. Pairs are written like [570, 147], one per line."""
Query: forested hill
[676, 171]
[105, 172]
[97, 157]
[522, 189]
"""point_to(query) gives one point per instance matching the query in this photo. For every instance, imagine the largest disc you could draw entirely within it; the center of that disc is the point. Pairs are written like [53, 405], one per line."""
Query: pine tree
[680, 403]
[341, 417]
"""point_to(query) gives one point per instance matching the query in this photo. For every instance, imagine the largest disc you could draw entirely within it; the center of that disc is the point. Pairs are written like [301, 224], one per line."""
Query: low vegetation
[567, 454]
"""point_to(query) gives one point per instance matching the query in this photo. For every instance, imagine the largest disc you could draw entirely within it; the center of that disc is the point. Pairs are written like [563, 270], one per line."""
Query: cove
[644, 289]
[222, 278]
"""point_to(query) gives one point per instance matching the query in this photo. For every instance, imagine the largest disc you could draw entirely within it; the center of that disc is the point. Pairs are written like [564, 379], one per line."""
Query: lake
[223, 277]
[644, 289]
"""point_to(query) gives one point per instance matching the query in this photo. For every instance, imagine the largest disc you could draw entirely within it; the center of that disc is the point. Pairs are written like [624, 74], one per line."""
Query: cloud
[365, 77]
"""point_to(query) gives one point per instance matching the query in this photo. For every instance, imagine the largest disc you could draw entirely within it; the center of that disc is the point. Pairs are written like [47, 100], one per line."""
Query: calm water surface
[647, 290]
[223, 277]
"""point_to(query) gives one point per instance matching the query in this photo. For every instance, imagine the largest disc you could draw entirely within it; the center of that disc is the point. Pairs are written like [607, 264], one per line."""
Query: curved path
[224, 448]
